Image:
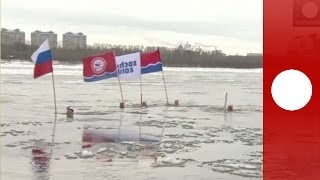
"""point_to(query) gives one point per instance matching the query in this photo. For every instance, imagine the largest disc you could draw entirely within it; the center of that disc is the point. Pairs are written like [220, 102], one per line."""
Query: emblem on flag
[98, 65]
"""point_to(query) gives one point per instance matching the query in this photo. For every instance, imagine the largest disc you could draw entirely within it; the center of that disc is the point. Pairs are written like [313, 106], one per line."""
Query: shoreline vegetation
[171, 57]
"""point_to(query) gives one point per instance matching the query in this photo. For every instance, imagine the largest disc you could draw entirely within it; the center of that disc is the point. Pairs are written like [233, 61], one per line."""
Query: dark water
[196, 140]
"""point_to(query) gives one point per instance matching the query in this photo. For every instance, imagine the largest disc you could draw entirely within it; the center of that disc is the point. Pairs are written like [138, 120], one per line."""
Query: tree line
[177, 57]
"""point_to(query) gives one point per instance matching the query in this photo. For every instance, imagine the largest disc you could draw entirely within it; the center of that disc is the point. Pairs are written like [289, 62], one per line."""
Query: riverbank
[170, 57]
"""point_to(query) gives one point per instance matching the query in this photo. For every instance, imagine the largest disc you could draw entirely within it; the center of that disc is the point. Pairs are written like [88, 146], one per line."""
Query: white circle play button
[291, 90]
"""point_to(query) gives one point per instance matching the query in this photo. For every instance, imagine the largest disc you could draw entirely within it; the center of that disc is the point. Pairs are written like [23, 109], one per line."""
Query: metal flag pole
[141, 90]
[55, 113]
[165, 88]
[54, 94]
[164, 82]
[121, 104]
[140, 83]
[120, 89]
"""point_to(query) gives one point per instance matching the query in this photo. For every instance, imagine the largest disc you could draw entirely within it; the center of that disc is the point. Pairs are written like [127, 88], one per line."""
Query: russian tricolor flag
[42, 60]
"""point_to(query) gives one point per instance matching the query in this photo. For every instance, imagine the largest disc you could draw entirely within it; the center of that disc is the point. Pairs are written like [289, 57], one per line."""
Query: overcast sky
[234, 26]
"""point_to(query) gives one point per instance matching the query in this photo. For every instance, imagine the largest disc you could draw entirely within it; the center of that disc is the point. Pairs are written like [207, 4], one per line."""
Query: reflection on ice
[124, 136]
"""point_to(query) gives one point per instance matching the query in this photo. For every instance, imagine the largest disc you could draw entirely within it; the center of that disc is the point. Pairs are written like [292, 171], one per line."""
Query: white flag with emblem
[129, 66]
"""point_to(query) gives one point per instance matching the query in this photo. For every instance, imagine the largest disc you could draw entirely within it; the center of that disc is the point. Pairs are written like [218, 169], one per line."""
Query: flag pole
[121, 106]
[165, 88]
[54, 95]
[141, 103]
[120, 89]
[141, 90]
[164, 82]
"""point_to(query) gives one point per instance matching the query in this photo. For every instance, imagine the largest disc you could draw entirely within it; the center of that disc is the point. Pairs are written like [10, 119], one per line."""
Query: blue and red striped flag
[151, 62]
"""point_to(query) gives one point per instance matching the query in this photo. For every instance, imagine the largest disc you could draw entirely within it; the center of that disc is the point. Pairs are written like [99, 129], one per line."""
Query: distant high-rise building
[74, 41]
[12, 36]
[37, 38]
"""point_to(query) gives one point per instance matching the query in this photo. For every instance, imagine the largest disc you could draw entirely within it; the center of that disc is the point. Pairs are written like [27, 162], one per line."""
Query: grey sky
[235, 26]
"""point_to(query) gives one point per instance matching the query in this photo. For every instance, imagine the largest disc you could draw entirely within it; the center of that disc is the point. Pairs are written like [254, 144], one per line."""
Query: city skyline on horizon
[184, 44]
[208, 23]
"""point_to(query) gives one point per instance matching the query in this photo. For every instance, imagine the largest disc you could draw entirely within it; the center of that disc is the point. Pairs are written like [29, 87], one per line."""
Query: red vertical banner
[291, 41]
